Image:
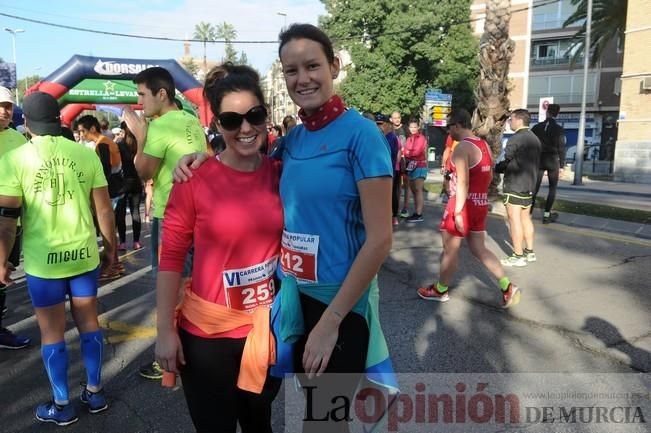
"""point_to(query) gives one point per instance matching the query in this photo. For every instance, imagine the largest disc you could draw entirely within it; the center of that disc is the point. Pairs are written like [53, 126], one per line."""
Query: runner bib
[251, 287]
[298, 256]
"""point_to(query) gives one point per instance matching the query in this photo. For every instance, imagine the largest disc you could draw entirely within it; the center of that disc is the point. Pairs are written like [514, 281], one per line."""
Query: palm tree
[205, 32]
[228, 33]
[495, 53]
[608, 24]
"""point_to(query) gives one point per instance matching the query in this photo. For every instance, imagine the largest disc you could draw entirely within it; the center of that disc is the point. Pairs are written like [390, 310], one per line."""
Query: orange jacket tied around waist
[260, 346]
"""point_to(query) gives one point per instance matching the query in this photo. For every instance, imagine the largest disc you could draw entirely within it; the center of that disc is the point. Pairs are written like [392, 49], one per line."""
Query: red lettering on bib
[298, 256]
[249, 288]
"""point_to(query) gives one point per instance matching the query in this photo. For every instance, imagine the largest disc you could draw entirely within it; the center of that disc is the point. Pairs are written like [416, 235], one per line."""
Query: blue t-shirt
[323, 216]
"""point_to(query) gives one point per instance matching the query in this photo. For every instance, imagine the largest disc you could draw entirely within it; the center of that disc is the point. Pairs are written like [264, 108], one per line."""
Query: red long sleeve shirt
[235, 220]
[415, 149]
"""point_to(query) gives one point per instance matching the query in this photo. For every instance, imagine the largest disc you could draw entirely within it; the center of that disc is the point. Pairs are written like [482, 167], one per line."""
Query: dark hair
[67, 133]
[553, 110]
[157, 78]
[461, 117]
[178, 103]
[217, 143]
[129, 138]
[104, 123]
[228, 78]
[523, 115]
[288, 123]
[414, 120]
[88, 121]
[279, 130]
[307, 31]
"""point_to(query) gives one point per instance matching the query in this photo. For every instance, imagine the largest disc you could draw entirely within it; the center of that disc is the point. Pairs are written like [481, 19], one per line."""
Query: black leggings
[395, 193]
[210, 387]
[348, 356]
[133, 200]
[550, 163]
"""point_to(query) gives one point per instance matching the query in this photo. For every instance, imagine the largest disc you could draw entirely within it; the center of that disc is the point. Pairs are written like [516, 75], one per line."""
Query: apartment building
[542, 67]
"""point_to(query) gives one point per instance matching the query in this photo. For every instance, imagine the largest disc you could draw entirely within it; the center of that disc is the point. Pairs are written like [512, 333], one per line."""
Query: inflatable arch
[85, 82]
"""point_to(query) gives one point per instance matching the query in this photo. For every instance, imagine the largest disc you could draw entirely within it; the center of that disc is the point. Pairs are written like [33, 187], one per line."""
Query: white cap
[116, 131]
[6, 95]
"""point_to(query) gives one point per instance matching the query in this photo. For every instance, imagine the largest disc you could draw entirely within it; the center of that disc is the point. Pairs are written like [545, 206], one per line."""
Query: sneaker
[415, 218]
[137, 246]
[552, 217]
[431, 294]
[96, 401]
[395, 221]
[530, 255]
[511, 297]
[122, 246]
[151, 371]
[404, 213]
[9, 340]
[60, 415]
[514, 260]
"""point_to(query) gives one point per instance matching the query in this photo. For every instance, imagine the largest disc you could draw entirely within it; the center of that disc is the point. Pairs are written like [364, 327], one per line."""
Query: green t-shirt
[55, 177]
[169, 137]
[10, 139]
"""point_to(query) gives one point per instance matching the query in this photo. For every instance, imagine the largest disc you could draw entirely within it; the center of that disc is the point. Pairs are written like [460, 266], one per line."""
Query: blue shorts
[46, 292]
[418, 173]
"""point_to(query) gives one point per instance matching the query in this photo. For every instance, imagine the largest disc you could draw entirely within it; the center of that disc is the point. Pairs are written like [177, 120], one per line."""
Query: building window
[617, 86]
[553, 52]
[551, 15]
[566, 88]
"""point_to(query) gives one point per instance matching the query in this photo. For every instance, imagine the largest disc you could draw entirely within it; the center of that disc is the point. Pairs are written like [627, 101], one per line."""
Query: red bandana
[328, 112]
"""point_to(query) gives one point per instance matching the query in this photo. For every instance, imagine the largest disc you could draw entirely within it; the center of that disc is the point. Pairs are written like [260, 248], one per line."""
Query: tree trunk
[495, 53]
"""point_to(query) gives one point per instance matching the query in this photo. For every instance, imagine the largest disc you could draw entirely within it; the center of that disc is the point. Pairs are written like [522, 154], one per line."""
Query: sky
[41, 49]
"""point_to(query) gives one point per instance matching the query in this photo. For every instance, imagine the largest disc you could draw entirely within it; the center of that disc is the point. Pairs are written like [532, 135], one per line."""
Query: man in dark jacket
[520, 168]
[552, 158]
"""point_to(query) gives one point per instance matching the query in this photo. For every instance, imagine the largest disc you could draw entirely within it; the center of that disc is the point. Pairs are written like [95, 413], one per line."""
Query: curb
[636, 230]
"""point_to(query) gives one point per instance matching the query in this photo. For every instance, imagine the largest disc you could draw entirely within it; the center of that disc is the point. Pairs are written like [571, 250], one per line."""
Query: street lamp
[13, 37]
[284, 15]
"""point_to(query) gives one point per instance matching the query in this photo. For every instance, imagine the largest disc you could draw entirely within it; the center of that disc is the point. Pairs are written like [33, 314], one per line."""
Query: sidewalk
[618, 194]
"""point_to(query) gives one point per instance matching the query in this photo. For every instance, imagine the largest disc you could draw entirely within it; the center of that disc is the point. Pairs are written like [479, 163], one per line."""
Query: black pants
[133, 200]
[210, 387]
[14, 259]
[549, 162]
[348, 356]
[395, 193]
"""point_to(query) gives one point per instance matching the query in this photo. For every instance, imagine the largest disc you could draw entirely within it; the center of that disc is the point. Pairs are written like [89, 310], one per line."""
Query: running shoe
[514, 260]
[404, 213]
[9, 340]
[511, 297]
[431, 294]
[395, 221]
[122, 246]
[552, 217]
[151, 371]
[530, 255]
[96, 401]
[137, 246]
[415, 218]
[60, 415]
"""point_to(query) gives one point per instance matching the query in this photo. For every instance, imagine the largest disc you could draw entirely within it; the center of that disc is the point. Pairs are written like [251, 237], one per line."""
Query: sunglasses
[231, 120]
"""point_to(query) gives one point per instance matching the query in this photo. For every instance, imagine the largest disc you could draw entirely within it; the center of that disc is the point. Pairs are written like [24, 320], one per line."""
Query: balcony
[555, 61]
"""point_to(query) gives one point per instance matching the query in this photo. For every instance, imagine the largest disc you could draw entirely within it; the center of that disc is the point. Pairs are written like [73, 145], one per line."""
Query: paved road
[585, 309]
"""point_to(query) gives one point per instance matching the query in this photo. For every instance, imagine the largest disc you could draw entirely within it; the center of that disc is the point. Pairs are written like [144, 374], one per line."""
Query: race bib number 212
[298, 256]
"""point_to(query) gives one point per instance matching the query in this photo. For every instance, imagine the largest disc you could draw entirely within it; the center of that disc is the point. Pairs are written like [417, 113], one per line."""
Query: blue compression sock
[92, 348]
[55, 360]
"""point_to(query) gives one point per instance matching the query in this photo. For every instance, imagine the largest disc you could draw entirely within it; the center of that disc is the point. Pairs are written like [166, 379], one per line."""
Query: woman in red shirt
[231, 211]
[415, 154]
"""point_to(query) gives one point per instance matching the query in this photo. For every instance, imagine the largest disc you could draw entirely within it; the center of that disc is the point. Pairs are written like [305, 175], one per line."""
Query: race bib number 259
[298, 256]
[250, 287]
